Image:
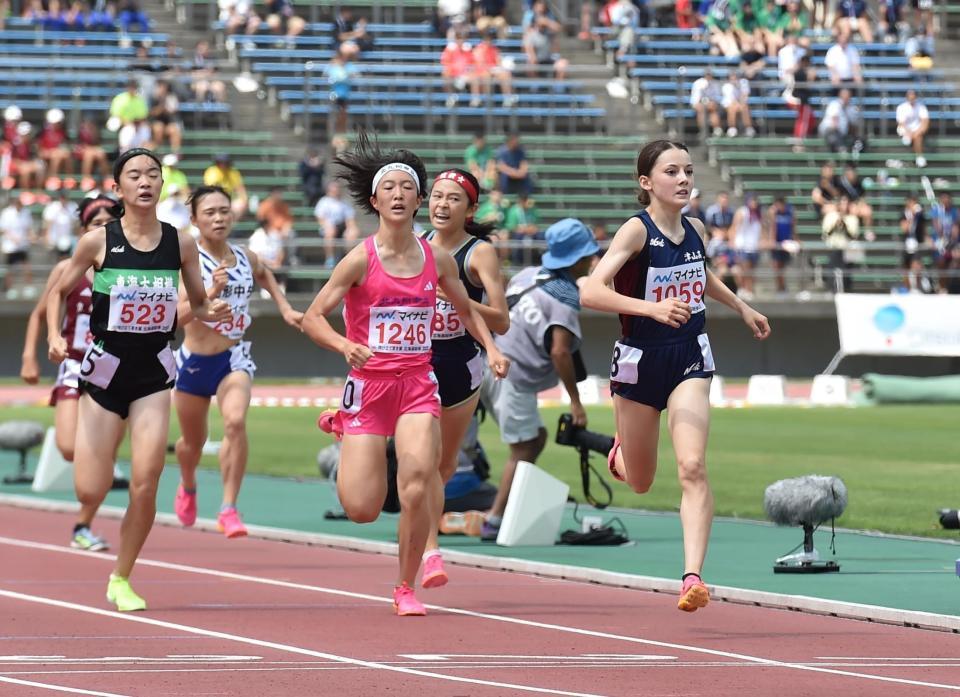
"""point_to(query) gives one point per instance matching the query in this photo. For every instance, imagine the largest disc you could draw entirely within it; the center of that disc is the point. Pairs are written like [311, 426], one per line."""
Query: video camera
[586, 442]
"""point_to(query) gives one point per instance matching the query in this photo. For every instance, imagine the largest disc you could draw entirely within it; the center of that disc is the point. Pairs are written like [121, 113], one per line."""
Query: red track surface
[252, 617]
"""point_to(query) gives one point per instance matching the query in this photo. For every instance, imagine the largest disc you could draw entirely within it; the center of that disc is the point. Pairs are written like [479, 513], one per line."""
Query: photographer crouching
[542, 345]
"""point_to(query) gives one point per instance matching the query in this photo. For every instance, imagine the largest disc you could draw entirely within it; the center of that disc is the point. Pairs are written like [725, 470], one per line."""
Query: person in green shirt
[523, 225]
[720, 29]
[172, 175]
[129, 106]
[481, 161]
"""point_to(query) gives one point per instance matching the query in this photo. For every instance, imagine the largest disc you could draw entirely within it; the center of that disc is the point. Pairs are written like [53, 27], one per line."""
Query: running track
[256, 617]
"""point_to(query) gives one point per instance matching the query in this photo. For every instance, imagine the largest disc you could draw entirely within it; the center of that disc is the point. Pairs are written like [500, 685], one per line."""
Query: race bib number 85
[446, 321]
[686, 283]
[400, 329]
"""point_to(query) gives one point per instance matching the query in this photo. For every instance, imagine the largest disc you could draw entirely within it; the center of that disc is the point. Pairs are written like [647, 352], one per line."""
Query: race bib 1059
[686, 283]
[400, 329]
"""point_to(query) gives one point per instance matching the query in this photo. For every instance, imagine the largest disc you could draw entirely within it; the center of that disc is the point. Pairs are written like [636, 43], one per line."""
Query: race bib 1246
[400, 329]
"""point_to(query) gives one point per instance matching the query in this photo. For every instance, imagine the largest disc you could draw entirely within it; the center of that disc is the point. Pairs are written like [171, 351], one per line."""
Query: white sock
[431, 552]
[494, 520]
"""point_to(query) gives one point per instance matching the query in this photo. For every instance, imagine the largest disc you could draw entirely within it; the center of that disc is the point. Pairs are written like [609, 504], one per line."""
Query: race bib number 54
[686, 283]
[400, 329]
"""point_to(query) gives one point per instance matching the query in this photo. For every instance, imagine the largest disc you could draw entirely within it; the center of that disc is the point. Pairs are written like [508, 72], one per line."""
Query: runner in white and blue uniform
[656, 263]
[215, 361]
[456, 356]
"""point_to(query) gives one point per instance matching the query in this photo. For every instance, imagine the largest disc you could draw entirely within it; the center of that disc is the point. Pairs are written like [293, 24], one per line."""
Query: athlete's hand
[293, 318]
[217, 311]
[499, 364]
[758, 324]
[671, 312]
[219, 281]
[357, 355]
[57, 350]
[29, 370]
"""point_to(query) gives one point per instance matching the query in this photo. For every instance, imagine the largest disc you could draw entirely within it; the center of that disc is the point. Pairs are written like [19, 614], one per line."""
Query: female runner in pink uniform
[389, 288]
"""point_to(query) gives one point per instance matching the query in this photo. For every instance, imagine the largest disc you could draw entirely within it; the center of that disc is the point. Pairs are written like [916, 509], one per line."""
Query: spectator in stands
[25, 164]
[720, 30]
[269, 248]
[721, 257]
[165, 116]
[102, 17]
[843, 62]
[129, 13]
[920, 49]
[451, 17]
[493, 211]
[686, 16]
[735, 94]
[481, 161]
[797, 20]
[488, 67]
[773, 21]
[788, 60]
[337, 220]
[137, 134]
[222, 173]
[852, 17]
[890, 16]
[705, 98]
[351, 36]
[273, 213]
[540, 33]
[311, 170]
[841, 232]
[172, 176]
[491, 14]
[282, 20]
[173, 209]
[238, 16]
[60, 225]
[752, 59]
[923, 15]
[913, 228]
[799, 98]
[12, 116]
[913, 122]
[54, 149]
[781, 228]
[691, 210]
[89, 151]
[747, 230]
[747, 26]
[625, 18]
[945, 223]
[523, 226]
[339, 73]
[719, 216]
[841, 123]
[16, 236]
[820, 13]
[825, 193]
[849, 185]
[129, 106]
[513, 167]
[458, 72]
[206, 86]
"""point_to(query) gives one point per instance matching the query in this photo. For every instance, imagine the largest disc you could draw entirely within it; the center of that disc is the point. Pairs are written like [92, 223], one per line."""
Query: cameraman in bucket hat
[542, 345]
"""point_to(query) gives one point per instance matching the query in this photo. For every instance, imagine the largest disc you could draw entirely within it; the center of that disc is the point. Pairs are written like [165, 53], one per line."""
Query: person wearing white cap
[54, 151]
[11, 118]
[542, 341]
[24, 163]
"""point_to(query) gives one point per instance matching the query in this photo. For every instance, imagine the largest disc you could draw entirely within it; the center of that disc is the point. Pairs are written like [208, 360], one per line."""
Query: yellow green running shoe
[120, 593]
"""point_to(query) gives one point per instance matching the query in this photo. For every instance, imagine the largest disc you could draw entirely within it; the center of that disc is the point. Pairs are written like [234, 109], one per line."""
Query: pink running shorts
[373, 401]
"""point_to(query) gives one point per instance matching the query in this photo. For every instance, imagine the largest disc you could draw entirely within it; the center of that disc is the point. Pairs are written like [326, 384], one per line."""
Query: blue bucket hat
[568, 242]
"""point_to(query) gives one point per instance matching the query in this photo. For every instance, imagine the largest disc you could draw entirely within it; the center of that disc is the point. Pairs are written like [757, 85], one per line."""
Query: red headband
[457, 178]
[94, 206]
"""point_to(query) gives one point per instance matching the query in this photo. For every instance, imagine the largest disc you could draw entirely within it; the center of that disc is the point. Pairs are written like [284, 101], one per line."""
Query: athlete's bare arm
[268, 282]
[90, 250]
[485, 267]
[29, 368]
[596, 291]
[203, 308]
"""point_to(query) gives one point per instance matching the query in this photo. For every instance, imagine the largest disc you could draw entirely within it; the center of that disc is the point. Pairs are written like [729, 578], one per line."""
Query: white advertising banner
[902, 325]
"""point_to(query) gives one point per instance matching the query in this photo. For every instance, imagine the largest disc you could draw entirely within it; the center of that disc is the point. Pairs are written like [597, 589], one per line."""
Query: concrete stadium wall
[803, 342]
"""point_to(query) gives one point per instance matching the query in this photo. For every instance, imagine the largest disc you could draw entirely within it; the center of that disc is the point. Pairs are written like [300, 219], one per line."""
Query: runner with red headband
[388, 286]
[457, 358]
[94, 212]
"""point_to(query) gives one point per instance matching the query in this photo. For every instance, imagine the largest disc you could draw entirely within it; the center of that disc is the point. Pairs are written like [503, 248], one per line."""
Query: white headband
[395, 167]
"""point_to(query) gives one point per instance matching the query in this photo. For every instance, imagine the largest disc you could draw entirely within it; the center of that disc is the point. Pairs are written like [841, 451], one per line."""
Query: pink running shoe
[693, 594]
[185, 506]
[433, 574]
[229, 523]
[612, 459]
[330, 422]
[405, 603]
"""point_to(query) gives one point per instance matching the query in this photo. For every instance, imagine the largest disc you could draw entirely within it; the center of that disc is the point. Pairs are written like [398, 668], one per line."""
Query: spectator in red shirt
[686, 15]
[90, 153]
[54, 151]
[11, 119]
[24, 163]
[486, 60]
[458, 71]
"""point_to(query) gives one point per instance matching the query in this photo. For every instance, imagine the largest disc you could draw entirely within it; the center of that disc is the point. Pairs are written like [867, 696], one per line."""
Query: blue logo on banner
[889, 318]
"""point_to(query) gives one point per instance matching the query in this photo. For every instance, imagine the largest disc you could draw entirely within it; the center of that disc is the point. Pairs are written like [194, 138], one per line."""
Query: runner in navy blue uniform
[457, 359]
[656, 263]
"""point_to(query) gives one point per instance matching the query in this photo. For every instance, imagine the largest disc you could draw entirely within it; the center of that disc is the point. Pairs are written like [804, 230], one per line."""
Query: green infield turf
[899, 463]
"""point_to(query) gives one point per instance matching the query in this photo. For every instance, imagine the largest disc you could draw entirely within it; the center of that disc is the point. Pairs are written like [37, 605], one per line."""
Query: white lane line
[482, 615]
[283, 647]
[59, 688]
[883, 658]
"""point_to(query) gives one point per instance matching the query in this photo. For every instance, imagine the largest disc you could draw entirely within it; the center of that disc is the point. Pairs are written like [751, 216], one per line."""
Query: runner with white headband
[389, 289]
